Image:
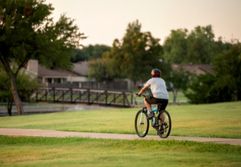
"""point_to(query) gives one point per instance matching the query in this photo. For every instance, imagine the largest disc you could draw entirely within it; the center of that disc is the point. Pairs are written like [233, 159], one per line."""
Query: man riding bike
[159, 93]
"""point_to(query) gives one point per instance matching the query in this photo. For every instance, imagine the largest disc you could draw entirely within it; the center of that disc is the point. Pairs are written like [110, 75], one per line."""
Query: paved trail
[54, 133]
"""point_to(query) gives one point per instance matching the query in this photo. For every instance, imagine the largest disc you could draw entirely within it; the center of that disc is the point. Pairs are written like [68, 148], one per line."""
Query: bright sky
[105, 20]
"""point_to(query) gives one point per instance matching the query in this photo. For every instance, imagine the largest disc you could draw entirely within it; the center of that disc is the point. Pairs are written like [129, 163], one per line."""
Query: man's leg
[162, 118]
[163, 107]
[148, 106]
[148, 103]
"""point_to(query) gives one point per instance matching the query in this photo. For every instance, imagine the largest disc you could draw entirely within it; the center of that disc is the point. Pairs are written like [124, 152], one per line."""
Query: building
[76, 78]
[55, 77]
[196, 69]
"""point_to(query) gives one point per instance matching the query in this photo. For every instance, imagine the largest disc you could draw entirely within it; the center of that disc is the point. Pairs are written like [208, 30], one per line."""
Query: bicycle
[161, 122]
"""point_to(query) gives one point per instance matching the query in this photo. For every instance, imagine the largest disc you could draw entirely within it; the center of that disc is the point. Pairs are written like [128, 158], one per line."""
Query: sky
[102, 21]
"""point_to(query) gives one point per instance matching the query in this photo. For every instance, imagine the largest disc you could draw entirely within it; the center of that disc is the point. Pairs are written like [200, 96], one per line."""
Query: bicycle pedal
[160, 132]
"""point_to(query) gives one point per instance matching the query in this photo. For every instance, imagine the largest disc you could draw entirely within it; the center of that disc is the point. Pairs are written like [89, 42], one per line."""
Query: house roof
[43, 72]
[197, 69]
[81, 68]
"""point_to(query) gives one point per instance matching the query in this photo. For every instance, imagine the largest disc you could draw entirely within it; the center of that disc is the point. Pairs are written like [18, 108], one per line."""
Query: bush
[198, 89]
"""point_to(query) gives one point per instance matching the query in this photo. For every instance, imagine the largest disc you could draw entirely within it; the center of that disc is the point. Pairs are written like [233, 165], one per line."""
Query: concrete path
[54, 133]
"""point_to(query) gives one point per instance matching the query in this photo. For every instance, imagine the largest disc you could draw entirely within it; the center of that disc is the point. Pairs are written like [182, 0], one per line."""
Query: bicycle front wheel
[141, 123]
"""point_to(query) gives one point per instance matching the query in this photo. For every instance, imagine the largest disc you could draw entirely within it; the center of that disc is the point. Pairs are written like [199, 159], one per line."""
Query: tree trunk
[174, 96]
[9, 107]
[12, 77]
[15, 95]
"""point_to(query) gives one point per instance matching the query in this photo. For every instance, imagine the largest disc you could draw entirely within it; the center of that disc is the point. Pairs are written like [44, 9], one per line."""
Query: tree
[26, 86]
[135, 55]
[197, 46]
[228, 73]
[175, 46]
[201, 45]
[177, 81]
[27, 31]
[101, 70]
[198, 89]
[141, 52]
[89, 53]
[224, 84]
[105, 68]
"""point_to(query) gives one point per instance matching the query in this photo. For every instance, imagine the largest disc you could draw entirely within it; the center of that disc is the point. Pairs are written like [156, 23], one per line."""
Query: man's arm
[145, 87]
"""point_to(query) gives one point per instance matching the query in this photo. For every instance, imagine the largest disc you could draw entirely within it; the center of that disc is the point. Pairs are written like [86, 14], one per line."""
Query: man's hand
[143, 90]
[138, 94]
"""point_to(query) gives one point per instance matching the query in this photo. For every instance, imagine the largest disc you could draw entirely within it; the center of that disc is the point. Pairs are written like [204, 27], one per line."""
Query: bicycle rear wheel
[165, 125]
[141, 123]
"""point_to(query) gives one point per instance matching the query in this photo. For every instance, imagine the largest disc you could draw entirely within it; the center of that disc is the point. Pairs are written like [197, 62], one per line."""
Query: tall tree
[177, 81]
[197, 46]
[141, 52]
[228, 73]
[201, 45]
[224, 84]
[105, 67]
[27, 31]
[175, 46]
[135, 55]
[89, 52]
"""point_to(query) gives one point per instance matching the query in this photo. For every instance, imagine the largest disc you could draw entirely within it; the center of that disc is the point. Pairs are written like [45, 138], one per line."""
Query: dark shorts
[163, 102]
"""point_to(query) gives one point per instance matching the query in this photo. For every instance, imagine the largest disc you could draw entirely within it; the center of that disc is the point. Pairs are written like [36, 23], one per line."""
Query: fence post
[106, 97]
[71, 95]
[63, 95]
[88, 95]
[54, 94]
[80, 96]
[46, 94]
[124, 98]
[114, 98]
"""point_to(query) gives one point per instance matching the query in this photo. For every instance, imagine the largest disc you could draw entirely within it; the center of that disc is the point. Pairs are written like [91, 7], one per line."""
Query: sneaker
[162, 128]
[160, 132]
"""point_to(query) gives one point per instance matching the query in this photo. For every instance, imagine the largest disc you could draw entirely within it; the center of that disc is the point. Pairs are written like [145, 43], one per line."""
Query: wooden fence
[87, 96]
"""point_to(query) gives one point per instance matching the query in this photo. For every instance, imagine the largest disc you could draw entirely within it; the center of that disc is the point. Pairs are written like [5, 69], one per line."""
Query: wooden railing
[87, 96]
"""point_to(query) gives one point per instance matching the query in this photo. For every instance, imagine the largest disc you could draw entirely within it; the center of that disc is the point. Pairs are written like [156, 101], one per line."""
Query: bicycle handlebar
[140, 95]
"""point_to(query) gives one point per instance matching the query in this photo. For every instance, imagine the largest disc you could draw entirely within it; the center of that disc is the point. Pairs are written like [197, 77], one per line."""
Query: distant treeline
[134, 56]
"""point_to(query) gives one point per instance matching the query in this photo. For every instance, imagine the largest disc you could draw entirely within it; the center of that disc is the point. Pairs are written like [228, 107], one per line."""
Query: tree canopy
[224, 84]
[197, 46]
[89, 52]
[132, 57]
[28, 31]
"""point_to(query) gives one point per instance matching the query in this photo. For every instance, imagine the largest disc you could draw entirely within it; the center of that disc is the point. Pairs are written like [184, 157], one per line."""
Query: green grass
[181, 98]
[74, 152]
[212, 120]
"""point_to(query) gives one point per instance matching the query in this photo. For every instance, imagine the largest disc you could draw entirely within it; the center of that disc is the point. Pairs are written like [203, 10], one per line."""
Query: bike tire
[141, 123]
[167, 129]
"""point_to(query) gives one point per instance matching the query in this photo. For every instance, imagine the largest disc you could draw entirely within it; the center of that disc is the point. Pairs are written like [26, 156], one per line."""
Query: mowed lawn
[210, 120]
[221, 120]
[74, 152]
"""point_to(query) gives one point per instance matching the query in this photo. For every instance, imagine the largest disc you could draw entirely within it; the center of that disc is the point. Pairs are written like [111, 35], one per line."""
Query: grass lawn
[212, 120]
[72, 152]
